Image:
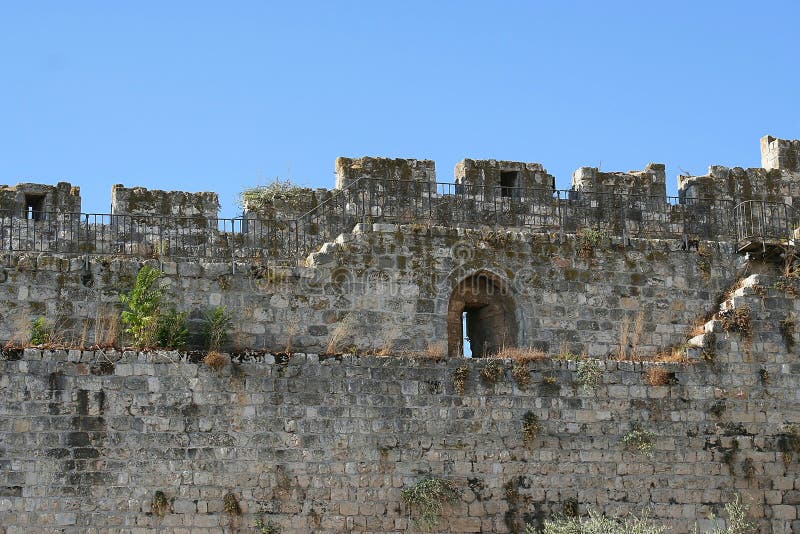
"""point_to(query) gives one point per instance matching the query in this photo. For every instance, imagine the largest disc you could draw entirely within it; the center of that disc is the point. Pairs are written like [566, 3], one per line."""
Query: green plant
[737, 520]
[159, 505]
[596, 523]
[588, 239]
[428, 497]
[216, 327]
[460, 379]
[142, 304]
[589, 374]
[40, 331]
[639, 441]
[262, 197]
[530, 427]
[492, 372]
[172, 329]
[267, 528]
[230, 505]
[789, 443]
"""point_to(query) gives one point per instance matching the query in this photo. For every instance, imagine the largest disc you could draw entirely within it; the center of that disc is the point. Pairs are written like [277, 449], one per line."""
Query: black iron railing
[368, 200]
[760, 223]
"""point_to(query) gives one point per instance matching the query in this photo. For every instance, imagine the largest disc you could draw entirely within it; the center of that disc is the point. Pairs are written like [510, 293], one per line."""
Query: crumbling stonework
[654, 351]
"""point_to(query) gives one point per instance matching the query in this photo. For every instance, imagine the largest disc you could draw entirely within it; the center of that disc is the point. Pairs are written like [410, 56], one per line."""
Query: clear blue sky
[224, 95]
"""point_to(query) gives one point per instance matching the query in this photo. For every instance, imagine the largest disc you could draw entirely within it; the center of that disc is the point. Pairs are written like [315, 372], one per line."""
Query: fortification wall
[327, 446]
[386, 287]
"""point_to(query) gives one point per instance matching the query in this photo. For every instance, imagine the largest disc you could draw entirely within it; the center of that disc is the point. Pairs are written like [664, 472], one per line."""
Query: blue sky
[225, 95]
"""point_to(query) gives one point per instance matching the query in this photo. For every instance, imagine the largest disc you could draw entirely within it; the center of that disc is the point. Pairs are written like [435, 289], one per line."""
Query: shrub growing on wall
[140, 318]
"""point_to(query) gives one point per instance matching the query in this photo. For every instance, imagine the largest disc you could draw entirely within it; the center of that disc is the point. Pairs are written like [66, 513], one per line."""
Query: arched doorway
[482, 307]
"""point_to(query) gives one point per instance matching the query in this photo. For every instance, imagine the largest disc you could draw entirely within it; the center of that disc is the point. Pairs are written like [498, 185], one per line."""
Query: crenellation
[349, 170]
[40, 201]
[139, 201]
[649, 183]
[780, 154]
[492, 179]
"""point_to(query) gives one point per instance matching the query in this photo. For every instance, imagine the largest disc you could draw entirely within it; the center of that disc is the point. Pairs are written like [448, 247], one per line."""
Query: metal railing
[760, 223]
[369, 200]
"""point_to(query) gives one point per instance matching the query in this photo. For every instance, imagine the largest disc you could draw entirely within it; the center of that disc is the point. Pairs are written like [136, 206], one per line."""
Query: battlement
[651, 182]
[780, 154]
[286, 223]
[39, 201]
[154, 202]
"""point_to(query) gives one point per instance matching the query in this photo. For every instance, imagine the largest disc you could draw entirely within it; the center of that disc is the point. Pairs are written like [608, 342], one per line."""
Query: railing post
[11, 238]
[86, 258]
[560, 210]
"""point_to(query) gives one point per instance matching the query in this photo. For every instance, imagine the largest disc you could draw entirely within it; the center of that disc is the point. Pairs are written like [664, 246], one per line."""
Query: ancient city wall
[324, 445]
[388, 287]
[654, 361]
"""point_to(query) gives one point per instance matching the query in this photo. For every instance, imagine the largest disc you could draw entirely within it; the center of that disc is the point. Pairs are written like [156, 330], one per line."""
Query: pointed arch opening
[482, 314]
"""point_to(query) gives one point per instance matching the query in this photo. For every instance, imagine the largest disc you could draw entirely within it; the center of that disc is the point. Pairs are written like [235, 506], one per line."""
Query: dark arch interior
[490, 318]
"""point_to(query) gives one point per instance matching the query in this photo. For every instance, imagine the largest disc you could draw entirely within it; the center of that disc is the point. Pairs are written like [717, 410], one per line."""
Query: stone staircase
[730, 330]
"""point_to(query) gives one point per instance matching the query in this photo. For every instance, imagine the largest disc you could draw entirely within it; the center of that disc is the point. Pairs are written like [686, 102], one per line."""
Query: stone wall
[390, 287]
[326, 445]
[139, 201]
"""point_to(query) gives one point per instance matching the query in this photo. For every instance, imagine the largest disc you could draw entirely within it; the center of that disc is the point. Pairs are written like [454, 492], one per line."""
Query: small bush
[530, 427]
[428, 497]
[159, 505]
[737, 320]
[267, 528]
[492, 372]
[639, 441]
[589, 374]
[521, 374]
[40, 331]
[718, 408]
[262, 197]
[657, 376]
[216, 327]
[172, 329]
[737, 520]
[230, 505]
[789, 443]
[142, 306]
[460, 379]
[596, 523]
[215, 360]
[588, 239]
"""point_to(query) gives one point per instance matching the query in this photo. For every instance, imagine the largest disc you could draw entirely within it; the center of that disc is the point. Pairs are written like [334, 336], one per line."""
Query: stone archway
[485, 301]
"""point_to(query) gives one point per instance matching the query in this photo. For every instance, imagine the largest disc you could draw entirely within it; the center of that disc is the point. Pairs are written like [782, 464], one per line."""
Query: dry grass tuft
[106, 327]
[519, 354]
[435, 351]
[673, 355]
[657, 376]
[215, 360]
